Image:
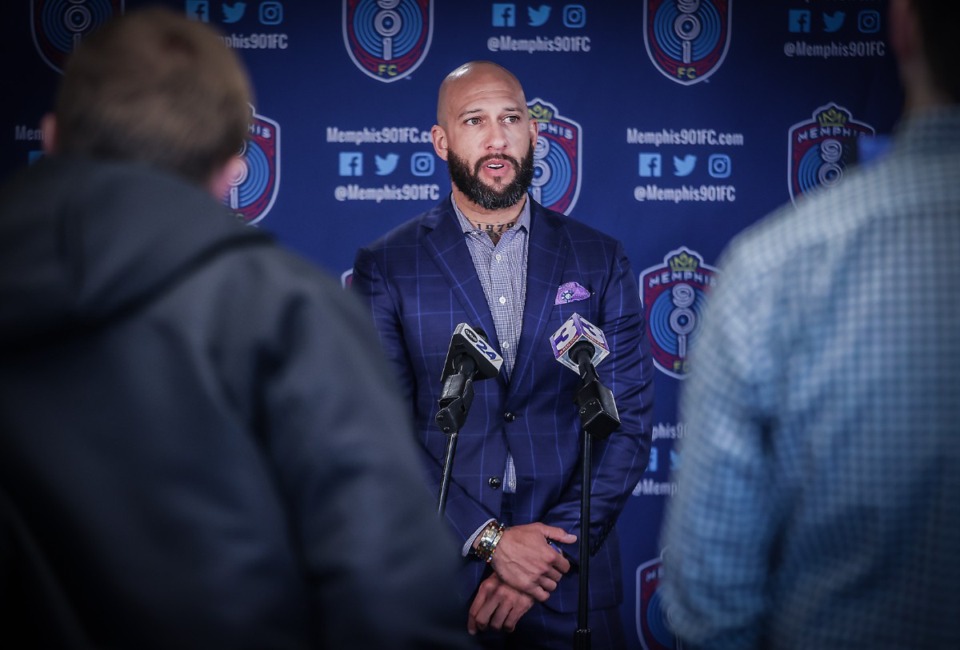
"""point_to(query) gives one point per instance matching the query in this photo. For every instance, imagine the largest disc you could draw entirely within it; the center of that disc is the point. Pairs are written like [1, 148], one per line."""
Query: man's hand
[498, 606]
[525, 560]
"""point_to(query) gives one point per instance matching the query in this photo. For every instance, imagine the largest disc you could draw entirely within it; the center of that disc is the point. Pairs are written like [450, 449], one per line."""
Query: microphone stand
[598, 419]
[455, 401]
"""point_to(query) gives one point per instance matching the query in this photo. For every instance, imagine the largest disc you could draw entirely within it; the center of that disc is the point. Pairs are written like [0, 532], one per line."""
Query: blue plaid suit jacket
[419, 282]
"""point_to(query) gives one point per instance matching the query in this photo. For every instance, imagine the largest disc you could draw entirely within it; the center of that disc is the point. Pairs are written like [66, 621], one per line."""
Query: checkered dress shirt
[818, 501]
[502, 269]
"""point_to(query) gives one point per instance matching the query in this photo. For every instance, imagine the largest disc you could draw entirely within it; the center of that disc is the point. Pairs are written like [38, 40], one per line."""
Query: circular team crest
[674, 296]
[387, 39]
[687, 40]
[652, 625]
[821, 148]
[58, 26]
[556, 158]
[253, 191]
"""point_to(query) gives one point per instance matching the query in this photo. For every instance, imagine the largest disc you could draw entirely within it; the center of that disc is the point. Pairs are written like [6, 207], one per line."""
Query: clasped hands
[525, 569]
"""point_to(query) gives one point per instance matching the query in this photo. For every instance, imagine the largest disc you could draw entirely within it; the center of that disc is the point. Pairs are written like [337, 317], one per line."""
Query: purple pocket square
[570, 292]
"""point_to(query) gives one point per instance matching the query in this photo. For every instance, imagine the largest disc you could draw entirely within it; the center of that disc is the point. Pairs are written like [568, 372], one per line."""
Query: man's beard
[487, 197]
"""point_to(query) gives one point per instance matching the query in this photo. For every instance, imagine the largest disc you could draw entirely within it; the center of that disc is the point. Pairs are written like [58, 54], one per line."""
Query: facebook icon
[198, 10]
[650, 164]
[799, 21]
[351, 163]
[504, 14]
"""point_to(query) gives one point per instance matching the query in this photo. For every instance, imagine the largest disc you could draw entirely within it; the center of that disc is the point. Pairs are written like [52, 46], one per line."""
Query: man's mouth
[496, 164]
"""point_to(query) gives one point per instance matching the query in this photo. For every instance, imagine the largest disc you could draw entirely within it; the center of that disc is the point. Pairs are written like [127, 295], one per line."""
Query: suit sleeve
[463, 512]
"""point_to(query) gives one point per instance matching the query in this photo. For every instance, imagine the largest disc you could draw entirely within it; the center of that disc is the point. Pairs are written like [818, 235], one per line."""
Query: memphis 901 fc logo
[253, 190]
[58, 26]
[653, 626]
[687, 40]
[674, 296]
[556, 158]
[822, 148]
[387, 39]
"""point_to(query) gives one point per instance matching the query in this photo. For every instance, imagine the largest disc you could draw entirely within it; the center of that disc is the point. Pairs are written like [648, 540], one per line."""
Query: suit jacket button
[509, 417]
[494, 482]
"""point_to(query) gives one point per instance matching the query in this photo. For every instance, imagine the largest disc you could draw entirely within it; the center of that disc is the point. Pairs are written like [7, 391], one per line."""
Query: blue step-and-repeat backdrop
[670, 124]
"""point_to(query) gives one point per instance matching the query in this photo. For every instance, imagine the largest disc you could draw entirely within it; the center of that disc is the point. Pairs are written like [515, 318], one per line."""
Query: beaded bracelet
[488, 540]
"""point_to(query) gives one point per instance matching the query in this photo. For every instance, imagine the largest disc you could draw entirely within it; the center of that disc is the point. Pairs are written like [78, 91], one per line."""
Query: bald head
[485, 133]
[468, 75]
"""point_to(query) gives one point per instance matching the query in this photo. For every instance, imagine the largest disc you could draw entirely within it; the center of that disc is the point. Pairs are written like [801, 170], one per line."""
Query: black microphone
[470, 358]
[469, 353]
[580, 345]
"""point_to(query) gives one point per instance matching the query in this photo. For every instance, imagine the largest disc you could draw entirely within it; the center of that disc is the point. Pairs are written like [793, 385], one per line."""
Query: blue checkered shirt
[818, 500]
[502, 269]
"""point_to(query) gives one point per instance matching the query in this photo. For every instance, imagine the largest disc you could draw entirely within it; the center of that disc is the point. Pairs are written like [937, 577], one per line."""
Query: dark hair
[938, 38]
[155, 87]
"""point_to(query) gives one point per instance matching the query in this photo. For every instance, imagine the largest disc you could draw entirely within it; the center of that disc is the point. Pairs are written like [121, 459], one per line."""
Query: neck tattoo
[493, 228]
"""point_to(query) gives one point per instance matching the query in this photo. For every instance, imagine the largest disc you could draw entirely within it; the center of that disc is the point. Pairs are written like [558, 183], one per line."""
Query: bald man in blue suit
[491, 257]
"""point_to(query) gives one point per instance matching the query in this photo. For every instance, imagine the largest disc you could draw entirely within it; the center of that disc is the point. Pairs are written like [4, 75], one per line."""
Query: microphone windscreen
[576, 329]
[466, 341]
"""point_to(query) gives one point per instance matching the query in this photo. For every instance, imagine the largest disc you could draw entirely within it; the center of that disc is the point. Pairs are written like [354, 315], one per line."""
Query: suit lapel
[446, 244]
[547, 253]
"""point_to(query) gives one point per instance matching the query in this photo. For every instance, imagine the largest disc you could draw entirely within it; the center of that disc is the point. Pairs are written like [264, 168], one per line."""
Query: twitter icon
[833, 22]
[233, 13]
[538, 16]
[684, 166]
[386, 164]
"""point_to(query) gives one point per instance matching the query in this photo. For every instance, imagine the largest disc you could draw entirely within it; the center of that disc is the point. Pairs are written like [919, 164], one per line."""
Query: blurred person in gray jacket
[200, 443]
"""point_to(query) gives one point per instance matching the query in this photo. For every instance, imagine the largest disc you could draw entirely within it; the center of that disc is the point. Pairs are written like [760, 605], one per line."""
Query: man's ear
[48, 125]
[439, 138]
[231, 173]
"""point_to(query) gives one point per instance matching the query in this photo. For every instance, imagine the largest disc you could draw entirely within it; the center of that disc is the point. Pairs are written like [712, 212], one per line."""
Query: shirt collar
[523, 219]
